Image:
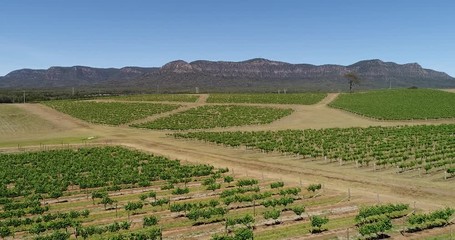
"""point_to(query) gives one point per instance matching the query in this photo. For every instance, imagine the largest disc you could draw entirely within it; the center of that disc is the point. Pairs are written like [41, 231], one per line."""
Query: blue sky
[100, 33]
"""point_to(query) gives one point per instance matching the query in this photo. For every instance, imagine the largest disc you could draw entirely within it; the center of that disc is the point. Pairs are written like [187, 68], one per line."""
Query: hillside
[251, 75]
[75, 76]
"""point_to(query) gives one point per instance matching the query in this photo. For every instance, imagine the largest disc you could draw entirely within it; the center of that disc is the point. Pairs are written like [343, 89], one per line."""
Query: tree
[150, 221]
[298, 210]
[133, 206]
[228, 179]
[98, 194]
[317, 222]
[106, 201]
[375, 228]
[273, 214]
[37, 229]
[353, 79]
[314, 187]
[244, 234]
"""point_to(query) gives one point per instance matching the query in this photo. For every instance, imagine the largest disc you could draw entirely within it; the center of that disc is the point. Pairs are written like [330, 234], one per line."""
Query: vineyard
[427, 148]
[325, 183]
[217, 116]
[268, 98]
[158, 98]
[112, 113]
[403, 104]
[115, 193]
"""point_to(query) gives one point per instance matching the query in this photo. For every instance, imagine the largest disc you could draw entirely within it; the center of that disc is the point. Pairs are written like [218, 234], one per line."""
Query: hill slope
[251, 75]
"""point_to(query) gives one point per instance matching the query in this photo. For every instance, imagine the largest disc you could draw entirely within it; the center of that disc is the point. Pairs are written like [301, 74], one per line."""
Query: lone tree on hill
[352, 79]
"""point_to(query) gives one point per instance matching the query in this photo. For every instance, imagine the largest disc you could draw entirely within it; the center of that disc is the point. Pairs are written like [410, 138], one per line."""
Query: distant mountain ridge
[251, 75]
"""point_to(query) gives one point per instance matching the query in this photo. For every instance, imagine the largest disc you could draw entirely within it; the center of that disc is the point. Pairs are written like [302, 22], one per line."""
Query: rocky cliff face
[255, 74]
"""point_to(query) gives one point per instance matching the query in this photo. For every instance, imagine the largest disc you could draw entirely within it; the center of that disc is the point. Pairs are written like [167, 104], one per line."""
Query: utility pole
[72, 91]
[24, 96]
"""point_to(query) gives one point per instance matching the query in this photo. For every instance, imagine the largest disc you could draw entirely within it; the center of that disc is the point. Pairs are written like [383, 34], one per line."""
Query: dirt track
[387, 185]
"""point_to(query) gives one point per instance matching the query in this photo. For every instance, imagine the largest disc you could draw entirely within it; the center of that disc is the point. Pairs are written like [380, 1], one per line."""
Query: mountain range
[252, 75]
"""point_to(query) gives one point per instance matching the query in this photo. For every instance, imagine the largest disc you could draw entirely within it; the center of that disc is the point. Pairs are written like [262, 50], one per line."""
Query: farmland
[112, 113]
[144, 195]
[158, 98]
[403, 104]
[217, 116]
[307, 171]
[269, 98]
[408, 148]
[14, 120]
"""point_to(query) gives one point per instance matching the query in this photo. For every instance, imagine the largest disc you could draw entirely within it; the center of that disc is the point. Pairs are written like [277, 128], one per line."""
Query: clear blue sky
[101, 33]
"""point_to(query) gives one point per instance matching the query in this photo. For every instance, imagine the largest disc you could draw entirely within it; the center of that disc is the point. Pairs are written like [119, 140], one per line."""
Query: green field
[409, 148]
[217, 116]
[116, 193]
[54, 171]
[158, 98]
[403, 104]
[87, 192]
[268, 98]
[112, 113]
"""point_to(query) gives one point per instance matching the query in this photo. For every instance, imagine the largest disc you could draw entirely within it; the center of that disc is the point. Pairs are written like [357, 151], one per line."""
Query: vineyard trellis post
[116, 209]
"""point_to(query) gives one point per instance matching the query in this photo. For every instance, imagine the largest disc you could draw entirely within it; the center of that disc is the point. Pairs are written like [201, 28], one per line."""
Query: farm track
[251, 164]
[161, 115]
[452, 90]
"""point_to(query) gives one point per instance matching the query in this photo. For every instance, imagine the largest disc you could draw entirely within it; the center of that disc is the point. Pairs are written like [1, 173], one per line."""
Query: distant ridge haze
[256, 74]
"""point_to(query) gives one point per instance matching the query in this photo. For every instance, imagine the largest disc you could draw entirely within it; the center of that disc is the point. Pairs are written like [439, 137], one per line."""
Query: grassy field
[402, 104]
[217, 116]
[158, 98]
[112, 113]
[14, 120]
[268, 98]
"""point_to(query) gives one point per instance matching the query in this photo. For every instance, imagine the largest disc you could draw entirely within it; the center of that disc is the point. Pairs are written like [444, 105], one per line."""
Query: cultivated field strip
[204, 117]
[428, 149]
[402, 104]
[131, 195]
[268, 98]
[111, 113]
[191, 98]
